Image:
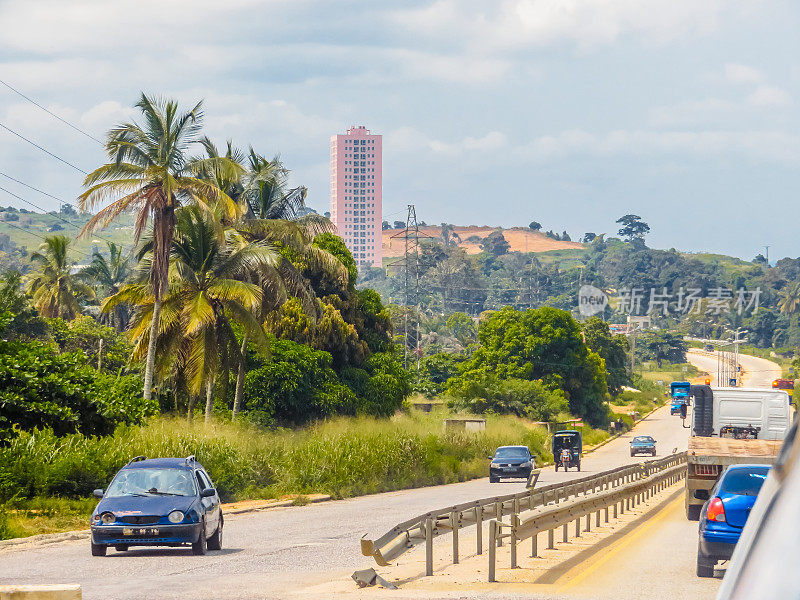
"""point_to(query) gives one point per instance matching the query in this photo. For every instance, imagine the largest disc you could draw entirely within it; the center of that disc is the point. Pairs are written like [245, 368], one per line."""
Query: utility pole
[767, 255]
[634, 327]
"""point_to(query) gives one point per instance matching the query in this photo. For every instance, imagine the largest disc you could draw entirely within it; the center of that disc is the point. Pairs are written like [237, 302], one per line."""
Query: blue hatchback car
[158, 502]
[725, 512]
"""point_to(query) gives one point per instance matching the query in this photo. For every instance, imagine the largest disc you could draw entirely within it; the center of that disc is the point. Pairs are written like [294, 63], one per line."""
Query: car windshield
[512, 453]
[645, 439]
[143, 482]
[744, 482]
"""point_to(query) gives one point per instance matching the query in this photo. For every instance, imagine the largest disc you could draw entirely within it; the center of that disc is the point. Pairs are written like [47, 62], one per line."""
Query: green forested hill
[21, 232]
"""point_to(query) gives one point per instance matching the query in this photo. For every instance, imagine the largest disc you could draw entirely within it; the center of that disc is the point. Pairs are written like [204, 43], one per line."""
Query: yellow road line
[620, 545]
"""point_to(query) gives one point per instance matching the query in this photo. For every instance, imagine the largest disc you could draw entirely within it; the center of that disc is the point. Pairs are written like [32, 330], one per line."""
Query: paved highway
[269, 554]
[756, 372]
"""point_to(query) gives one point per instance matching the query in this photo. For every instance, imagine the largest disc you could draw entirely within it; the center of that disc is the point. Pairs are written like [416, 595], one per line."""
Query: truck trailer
[731, 426]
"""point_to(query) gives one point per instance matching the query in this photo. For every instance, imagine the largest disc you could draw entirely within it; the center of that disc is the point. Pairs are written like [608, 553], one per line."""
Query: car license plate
[127, 531]
[509, 469]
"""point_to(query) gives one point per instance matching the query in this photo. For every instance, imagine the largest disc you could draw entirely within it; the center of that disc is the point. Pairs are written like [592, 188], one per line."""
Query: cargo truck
[730, 426]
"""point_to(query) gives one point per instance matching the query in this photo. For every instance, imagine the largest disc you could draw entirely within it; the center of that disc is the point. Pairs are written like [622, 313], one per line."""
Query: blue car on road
[158, 502]
[643, 444]
[725, 512]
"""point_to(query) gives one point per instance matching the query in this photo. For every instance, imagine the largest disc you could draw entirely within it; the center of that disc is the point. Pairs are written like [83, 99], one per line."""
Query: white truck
[731, 426]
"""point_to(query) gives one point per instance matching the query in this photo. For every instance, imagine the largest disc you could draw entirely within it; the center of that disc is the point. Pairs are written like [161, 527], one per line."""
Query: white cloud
[736, 73]
[769, 96]
[519, 23]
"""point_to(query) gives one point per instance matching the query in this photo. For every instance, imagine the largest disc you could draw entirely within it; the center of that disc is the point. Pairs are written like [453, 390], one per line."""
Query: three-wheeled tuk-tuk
[567, 447]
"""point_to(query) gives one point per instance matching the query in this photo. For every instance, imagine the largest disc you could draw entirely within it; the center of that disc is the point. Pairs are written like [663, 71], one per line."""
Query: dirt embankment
[521, 239]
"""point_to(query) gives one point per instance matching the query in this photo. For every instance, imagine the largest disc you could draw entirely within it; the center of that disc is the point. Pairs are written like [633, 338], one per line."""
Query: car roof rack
[190, 459]
[137, 459]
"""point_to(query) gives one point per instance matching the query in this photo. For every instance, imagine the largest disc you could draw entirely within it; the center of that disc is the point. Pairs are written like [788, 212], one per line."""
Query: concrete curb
[68, 536]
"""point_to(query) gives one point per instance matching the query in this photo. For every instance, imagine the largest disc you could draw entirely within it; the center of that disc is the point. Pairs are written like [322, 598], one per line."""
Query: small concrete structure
[474, 425]
[41, 592]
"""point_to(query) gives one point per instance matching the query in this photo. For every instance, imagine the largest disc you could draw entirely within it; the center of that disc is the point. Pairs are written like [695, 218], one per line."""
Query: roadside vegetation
[235, 331]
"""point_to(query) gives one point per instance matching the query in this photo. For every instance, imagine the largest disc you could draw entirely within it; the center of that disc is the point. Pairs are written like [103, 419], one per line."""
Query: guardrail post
[551, 539]
[588, 522]
[578, 527]
[455, 523]
[492, 548]
[564, 534]
[597, 522]
[429, 546]
[514, 525]
[535, 545]
[498, 511]
[479, 531]
[606, 515]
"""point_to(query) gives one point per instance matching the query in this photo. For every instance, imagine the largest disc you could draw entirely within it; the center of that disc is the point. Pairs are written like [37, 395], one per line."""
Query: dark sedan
[510, 461]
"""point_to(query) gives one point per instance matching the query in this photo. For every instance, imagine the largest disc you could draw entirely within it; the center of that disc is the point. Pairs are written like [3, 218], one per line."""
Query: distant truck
[731, 426]
[679, 391]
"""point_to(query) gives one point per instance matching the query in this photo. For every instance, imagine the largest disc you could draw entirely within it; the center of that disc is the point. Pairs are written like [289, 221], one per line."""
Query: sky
[567, 112]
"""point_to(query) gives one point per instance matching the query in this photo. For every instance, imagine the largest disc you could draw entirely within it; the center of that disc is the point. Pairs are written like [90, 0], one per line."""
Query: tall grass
[342, 457]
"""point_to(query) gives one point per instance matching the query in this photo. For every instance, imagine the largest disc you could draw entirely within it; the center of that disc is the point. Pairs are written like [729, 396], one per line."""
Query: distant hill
[23, 230]
[521, 239]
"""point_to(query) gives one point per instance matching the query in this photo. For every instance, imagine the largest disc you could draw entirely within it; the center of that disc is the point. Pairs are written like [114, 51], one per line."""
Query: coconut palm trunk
[209, 398]
[237, 399]
[150, 363]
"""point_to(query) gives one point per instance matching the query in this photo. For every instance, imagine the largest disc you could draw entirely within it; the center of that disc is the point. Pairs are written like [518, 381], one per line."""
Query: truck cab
[679, 391]
[731, 426]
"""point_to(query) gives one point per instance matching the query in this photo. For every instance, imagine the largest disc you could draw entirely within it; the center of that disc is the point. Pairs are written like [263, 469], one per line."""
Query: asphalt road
[269, 554]
[656, 560]
[756, 372]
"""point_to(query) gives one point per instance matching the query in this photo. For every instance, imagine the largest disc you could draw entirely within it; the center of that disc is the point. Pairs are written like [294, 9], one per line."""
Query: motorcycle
[564, 459]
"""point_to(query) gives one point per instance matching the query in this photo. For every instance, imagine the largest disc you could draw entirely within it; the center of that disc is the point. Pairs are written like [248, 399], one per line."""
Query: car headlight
[95, 519]
[495, 465]
[175, 516]
[107, 518]
[526, 464]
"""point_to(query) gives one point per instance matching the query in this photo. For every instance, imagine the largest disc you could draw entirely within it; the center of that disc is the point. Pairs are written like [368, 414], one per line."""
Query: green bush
[41, 388]
[531, 399]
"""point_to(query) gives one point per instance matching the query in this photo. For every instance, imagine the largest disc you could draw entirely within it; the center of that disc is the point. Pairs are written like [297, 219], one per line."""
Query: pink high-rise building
[356, 198]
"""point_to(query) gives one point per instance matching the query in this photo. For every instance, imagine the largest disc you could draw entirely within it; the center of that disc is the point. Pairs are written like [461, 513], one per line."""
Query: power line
[58, 216]
[52, 114]
[45, 150]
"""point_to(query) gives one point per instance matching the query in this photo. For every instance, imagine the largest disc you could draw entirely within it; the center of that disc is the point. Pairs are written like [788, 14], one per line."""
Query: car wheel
[200, 547]
[579, 466]
[121, 547]
[705, 567]
[693, 512]
[493, 479]
[633, 454]
[556, 467]
[215, 541]
[99, 549]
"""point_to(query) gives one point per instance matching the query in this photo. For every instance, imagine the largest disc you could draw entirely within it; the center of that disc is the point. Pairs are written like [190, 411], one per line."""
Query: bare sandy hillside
[521, 239]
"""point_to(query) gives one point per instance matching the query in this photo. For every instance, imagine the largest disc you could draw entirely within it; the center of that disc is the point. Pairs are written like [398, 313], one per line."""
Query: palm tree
[107, 275]
[56, 291]
[149, 172]
[206, 294]
[790, 299]
[265, 189]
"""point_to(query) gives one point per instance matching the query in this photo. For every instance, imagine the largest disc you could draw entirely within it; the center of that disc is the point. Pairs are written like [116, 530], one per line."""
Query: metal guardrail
[550, 518]
[424, 528]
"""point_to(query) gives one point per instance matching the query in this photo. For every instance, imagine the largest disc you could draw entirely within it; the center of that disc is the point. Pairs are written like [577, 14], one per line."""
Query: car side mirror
[208, 493]
[701, 494]
[98, 493]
